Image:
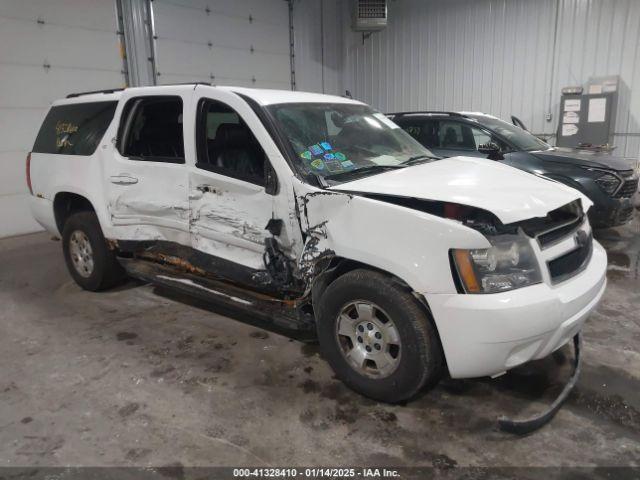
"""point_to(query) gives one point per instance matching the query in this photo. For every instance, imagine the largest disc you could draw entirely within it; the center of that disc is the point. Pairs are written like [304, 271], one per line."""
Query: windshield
[345, 140]
[521, 139]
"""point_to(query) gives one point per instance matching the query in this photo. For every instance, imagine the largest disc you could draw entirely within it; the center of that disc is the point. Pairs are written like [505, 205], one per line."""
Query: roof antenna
[347, 94]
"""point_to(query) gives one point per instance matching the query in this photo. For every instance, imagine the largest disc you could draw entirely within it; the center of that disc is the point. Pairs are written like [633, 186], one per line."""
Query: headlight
[608, 182]
[509, 263]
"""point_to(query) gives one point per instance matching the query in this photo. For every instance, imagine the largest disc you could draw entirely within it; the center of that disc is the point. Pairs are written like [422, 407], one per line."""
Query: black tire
[107, 271]
[420, 360]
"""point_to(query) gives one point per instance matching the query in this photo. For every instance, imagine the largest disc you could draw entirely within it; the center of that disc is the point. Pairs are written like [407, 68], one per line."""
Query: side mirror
[492, 150]
[270, 179]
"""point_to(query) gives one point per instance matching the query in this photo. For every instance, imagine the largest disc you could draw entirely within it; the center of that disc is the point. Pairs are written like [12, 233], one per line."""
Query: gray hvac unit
[369, 15]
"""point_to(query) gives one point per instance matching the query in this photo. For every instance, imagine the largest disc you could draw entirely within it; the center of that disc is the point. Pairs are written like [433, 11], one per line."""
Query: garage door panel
[186, 58]
[16, 215]
[86, 14]
[78, 42]
[242, 52]
[13, 179]
[36, 87]
[261, 11]
[58, 46]
[199, 61]
[175, 23]
[19, 127]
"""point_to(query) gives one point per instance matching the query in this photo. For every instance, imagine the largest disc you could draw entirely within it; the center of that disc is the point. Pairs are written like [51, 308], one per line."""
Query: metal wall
[498, 56]
[49, 49]
[239, 42]
[319, 45]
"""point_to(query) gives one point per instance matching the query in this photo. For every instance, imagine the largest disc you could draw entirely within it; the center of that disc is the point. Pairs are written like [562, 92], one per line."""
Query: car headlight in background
[608, 182]
[508, 264]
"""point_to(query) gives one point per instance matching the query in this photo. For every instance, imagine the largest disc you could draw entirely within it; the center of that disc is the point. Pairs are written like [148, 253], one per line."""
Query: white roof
[261, 95]
[268, 97]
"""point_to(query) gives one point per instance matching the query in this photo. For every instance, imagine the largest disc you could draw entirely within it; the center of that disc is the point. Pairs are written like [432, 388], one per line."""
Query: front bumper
[485, 335]
[611, 212]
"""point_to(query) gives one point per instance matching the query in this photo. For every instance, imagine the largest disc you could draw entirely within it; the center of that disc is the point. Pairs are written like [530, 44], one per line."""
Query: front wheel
[377, 338]
[91, 263]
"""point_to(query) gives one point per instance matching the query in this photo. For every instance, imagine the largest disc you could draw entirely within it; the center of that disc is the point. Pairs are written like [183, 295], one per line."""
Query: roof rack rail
[428, 112]
[113, 90]
[109, 90]
[183, 83]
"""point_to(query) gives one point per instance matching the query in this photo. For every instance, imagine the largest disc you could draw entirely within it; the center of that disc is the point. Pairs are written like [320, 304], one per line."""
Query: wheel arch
[339, 266]
[66, 204]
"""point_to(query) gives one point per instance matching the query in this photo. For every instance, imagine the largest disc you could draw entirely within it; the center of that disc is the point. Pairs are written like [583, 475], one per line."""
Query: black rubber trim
[524, 427]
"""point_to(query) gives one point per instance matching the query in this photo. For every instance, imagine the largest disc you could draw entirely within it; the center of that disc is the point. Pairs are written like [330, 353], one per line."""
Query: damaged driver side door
[229, 205]
[146, 177]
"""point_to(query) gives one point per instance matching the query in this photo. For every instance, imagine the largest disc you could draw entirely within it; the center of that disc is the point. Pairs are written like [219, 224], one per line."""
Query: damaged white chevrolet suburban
[319, 213]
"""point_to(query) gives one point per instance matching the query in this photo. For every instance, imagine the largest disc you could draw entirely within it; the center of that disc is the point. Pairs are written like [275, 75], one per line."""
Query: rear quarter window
[74, 129]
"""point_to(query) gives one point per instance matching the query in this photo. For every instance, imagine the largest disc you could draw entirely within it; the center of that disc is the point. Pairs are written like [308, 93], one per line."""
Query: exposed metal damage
[191, 283]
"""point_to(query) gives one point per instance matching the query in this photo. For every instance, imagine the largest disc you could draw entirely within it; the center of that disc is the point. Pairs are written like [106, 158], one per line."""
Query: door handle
[123, 179]
[196, 195]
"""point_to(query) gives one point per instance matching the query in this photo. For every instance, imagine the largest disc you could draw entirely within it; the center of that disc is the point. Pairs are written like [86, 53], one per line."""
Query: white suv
[319, 213]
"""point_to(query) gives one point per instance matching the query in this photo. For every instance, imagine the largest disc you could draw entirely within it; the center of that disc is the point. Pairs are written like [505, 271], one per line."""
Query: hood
[582, 158]
[511, 194]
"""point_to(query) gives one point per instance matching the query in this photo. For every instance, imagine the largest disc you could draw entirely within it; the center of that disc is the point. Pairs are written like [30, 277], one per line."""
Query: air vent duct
[369, 15]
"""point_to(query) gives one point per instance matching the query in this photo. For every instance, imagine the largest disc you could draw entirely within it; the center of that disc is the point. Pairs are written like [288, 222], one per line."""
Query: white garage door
[240, 42]
[49, 48]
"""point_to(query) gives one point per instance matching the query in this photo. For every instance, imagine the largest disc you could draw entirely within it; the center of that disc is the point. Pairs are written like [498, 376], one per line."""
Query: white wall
[77, 39]
[239, 42]
[319, 45]
[496, 56]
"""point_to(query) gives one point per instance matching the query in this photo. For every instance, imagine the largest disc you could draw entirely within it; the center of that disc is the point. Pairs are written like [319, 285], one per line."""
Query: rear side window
[424, 131]
[151, 130]
[74, 129]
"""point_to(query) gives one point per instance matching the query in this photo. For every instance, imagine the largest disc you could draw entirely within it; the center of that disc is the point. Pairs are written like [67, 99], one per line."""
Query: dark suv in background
[608, 181]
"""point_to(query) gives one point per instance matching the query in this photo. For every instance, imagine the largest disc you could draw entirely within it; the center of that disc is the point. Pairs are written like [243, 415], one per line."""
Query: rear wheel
[377, 337]
[89, 260]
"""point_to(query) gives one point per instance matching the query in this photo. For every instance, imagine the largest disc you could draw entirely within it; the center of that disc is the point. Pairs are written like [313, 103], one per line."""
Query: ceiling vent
[369, 15]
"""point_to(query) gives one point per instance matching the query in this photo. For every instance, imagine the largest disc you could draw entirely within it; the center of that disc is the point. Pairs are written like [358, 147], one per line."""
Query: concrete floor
[136, 377]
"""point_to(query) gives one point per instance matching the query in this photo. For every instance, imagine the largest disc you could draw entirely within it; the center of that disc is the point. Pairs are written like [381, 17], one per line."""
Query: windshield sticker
[66, 127]
[317, 164]
[340, 156]
[329, 156]
[316, 149]
[325, 145]
[348, 164]
[306, 155]
[64, 130]
[334, 166]
[384, 119]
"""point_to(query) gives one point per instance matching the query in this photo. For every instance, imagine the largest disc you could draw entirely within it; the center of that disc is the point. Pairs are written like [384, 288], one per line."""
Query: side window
[74, 129]
[482, 137]
[456, 136]
[226, 145]
[151, 129]
[424, 131]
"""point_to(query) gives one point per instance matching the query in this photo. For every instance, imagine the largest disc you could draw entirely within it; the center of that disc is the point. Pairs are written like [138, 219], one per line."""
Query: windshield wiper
[419, 159]
[369, 169]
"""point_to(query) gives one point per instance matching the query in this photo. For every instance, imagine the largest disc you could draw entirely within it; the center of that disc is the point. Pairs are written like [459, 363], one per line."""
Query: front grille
[556, 225]
[570, 264]
[557, 233]
[628, 188]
